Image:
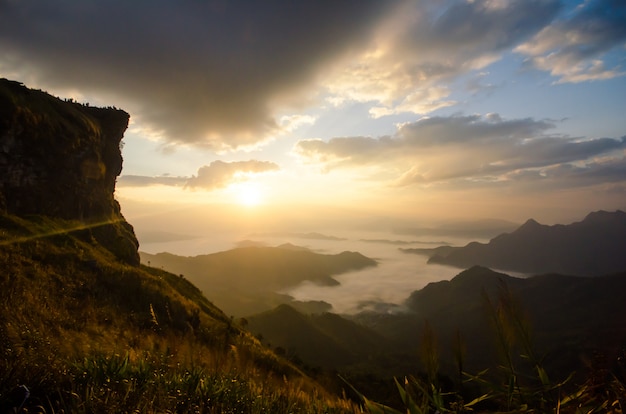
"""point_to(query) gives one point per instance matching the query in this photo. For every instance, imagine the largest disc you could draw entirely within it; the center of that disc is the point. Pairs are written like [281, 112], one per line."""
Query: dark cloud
[607, 176]
[428, 43]
[218, 174]
[204, 72]
[466, 148]
[473, 28]
[217, 73]
[573, 48]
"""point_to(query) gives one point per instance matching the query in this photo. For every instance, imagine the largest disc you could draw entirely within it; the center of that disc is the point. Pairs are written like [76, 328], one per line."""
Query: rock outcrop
[61, 159]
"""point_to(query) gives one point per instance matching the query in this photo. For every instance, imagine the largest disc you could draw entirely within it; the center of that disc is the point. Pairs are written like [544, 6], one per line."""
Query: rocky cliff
[60, 159]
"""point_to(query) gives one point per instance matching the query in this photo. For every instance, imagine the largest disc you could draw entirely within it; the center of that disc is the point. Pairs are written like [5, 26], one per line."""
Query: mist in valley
[382, 288]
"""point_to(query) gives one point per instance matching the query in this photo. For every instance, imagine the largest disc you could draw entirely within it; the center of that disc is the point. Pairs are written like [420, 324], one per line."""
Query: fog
[383, 288]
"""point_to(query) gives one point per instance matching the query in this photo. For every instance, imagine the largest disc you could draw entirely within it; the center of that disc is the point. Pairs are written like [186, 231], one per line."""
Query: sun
[249, 194]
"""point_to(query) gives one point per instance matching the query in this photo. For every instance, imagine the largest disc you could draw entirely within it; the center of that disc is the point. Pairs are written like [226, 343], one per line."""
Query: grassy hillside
[536, 342]
[84, 332]
[321, 340]
[244, 281]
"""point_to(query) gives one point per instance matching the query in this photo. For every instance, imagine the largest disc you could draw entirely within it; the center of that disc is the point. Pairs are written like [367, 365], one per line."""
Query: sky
[301, 113]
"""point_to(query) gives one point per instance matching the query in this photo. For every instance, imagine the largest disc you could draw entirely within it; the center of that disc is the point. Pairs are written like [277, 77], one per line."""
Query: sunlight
[248, 194]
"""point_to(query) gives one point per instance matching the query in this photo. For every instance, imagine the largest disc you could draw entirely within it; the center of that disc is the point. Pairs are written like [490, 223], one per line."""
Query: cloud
[292, 122]
[477, 84]
[608, 173]
[210, 73]
[424, 45]
[458, 148]
[574, 48]
[218, 174]
[223, 74]
[145, 181]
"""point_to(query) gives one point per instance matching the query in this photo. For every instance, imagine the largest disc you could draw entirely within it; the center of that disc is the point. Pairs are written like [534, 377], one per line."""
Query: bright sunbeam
[249, 194]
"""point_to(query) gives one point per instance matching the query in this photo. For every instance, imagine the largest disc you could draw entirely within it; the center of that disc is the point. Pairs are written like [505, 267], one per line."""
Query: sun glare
[249, 194]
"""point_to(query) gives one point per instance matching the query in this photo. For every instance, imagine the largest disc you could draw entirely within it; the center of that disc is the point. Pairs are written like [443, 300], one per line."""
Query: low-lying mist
[380, 289]
[383, 288]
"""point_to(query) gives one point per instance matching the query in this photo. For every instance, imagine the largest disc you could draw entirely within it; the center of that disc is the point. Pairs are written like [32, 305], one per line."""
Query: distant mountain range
[593, 246]
[469, 229]
[569, 319]
[310, 235]
[244, 281]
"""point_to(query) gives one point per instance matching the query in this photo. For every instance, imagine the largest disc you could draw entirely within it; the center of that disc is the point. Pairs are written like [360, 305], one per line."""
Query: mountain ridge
[569, 320]
[320, 340]
[247, 280]
[589, 247]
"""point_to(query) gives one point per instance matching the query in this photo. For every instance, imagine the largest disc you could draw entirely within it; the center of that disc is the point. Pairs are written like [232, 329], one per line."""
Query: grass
[86, 333]
[520, 384]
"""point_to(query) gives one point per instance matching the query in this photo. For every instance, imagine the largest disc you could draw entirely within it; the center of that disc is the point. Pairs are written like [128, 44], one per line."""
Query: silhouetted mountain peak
[477, 276]
[475, 272]
[593, 246]
[531, 223]
[602, 216]
[530, 226]
[291, 246]
[285, 309]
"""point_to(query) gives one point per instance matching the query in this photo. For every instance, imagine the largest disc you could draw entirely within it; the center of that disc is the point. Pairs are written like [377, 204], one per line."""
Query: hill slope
[82, 330]
[570, 318]
[61, 159]
[593, 246]
[84, 327]
[320, 340]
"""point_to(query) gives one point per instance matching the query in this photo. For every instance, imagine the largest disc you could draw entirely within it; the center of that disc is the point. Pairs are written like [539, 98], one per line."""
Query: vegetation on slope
[321, 340]
[556, 336]
[84, 332]
[61, 159]
[520, 383]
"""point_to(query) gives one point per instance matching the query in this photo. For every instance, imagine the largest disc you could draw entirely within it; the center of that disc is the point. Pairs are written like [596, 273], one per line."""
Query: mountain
[247, 280]
[83, 326]
[324, 340]
[566, 324]
[467, 229]
[593, 246]
[61, 159]
[569, 318]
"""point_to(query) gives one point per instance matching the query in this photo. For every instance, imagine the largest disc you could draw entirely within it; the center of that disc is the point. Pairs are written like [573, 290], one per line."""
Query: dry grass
[86, 333]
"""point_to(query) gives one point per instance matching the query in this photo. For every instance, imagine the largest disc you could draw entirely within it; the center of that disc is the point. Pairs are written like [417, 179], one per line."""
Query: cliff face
[61, 159]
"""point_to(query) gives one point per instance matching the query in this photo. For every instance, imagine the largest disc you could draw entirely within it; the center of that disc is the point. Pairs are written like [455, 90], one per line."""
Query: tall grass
[107, 383]
[84, 333]
[520, 383]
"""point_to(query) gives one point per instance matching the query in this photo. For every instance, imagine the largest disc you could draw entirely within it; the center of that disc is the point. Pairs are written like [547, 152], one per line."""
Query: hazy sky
[431, 108]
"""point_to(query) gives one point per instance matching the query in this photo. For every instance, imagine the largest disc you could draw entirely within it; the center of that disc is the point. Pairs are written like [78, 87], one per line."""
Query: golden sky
[283, 113]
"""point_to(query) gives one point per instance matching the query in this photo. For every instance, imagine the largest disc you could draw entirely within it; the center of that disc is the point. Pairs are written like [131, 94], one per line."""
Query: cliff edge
[61, 159]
